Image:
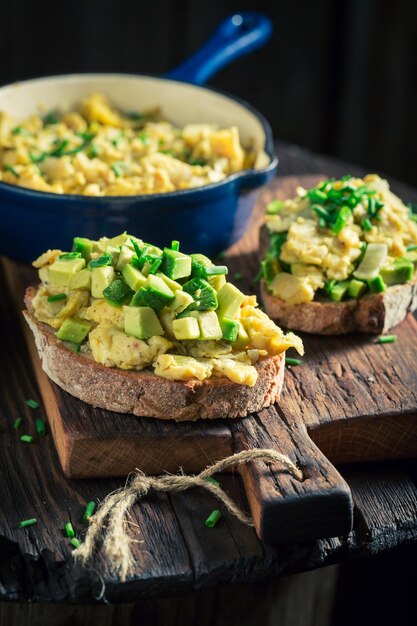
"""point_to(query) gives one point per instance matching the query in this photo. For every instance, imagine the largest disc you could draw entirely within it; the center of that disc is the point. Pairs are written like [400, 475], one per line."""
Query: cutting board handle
[280, 504]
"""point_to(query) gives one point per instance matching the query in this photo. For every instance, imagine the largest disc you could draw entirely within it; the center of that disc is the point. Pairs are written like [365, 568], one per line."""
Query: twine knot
[109, 523]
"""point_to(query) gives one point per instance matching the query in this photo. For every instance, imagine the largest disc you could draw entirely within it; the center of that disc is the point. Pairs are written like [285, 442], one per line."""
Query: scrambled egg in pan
[319, 238]
[131, 305]
[98, 150]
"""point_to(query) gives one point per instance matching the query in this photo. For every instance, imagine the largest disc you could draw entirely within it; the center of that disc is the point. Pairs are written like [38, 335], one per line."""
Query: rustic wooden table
[178, 554]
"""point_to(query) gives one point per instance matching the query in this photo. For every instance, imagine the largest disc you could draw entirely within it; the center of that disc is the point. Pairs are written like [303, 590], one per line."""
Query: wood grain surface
[178, 553]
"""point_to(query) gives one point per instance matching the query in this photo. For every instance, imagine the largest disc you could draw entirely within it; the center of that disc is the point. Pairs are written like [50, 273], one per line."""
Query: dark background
[338, 76]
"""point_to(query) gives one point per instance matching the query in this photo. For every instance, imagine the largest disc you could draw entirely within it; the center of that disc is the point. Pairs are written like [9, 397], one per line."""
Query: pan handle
[236, 36]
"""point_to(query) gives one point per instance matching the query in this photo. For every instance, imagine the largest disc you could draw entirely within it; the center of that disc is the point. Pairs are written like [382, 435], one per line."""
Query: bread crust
[374, 313]
[144, 393]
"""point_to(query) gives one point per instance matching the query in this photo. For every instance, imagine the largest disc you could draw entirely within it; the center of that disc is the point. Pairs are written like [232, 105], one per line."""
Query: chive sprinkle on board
[387, 339]
[32, 403]
[27, 522]
[89, 510]
[213, 518]
[17, 423]
[69, 530]
[40, 427]
[211, 480]
[75, 542]
[26, 438]
[290, 361]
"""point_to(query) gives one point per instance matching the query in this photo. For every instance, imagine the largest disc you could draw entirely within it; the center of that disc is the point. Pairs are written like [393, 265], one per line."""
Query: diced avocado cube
[125, 257]
[217, 282]
[186, 328]
[204, 296]
[81, 280]
[356, 288]
[101, 277]
[230, 299]
[141, 322]
[338, 291]
[146, 268]
[74, 330]
[124, 240]
[172, 284]
[114, 253]
[155, 293]
[209, 324]
[242, 339]
[83, 245]
[175, 264]
[376, 284]
[181, 301]
[230, 328]
[118, 293]
[134, 277]
[398, 272]
[61, 272]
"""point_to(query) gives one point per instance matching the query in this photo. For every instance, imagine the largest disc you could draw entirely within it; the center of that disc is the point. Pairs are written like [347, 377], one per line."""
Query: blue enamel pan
[206, 219]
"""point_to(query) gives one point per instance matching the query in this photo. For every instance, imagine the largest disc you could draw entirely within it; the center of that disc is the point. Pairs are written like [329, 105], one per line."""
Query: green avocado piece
[398, 272]
[172, 284]
[114, 252]
[217, 281]
[125, 256]
[186, 328]
[204, 296]
[118, 293]
[181, 301]
[141, 322]
[230, 298]
[134, 277]
[74, 330]
[81, 280]
[175, 264]
[101, 277]
[242, 339]
[155, 293]
[83, 245]
[61, 272]
[209, 324]
[376, 284]
[230, 328]
[338, 291]
[356, 288]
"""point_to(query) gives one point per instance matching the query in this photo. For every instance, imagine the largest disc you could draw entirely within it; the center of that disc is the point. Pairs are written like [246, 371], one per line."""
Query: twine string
[109, 522]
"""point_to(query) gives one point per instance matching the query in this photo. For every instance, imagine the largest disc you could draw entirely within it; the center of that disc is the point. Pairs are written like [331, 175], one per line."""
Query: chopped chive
[17, 423]
[69, 256]
[40, 427]
[211, 480]
[106, 259]
[201, 162]
[27, 522]
[75, 542]
[238, 276]
[213, 518]
[11, 169]
[26, 438]
[366, 224]
[50, 118]
[32, 403]
[411, 248]
[320, 211]
[89, 510]
[69, 530]
[57, 297]
[59, 150]
[93, 151]
[20, 131]
[145, 139]
[387, 339]
[155, 266]
[175, 245]
[290, 361]
[118, 169]
[216, 270]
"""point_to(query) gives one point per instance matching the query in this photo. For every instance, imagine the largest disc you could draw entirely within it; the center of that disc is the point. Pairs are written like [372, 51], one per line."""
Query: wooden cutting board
[351, 400]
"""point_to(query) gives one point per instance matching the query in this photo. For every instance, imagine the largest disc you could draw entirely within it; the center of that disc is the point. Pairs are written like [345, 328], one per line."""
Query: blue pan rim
[181, 193]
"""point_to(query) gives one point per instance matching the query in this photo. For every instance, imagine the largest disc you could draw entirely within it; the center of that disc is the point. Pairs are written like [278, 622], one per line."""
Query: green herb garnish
[89, 510]
[75, 542]
[213, 518]
[21, 131]
[57, 297]
[290, 361]
[387, 339]
[211, 480]
[69, 530]
[101, 261]
[11, 169]
[40, 427]
[118, 168]
[32, 403]
[27, 522]
[26, 438]
[175, 245]
[17, 423]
